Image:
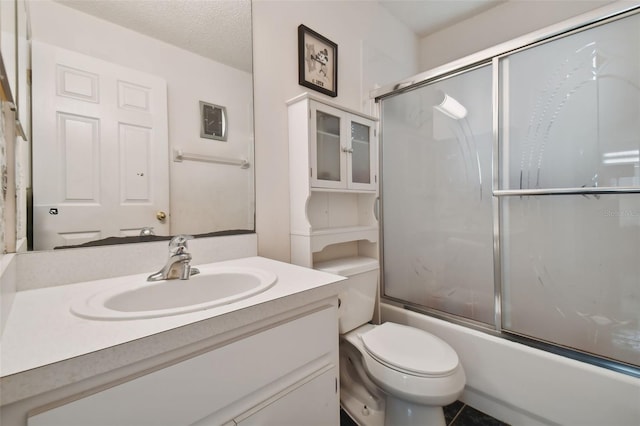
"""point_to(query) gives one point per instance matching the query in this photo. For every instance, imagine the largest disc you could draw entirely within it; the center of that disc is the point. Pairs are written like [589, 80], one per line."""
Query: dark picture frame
[317, 62]
[213, 121]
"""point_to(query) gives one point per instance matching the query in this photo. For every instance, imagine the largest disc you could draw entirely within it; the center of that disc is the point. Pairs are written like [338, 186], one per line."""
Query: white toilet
[390, 374]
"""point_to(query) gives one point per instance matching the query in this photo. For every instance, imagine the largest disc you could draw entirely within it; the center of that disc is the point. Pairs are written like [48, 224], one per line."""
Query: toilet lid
[410, 350]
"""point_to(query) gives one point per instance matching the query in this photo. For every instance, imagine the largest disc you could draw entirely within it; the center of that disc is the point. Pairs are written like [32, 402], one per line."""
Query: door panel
[135, 150]
[327, 130]
[362, 153]
[104, 172]
[79, 143]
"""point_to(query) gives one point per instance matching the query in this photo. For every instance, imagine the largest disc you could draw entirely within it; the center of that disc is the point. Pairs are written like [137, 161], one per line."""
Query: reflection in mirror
[116, 93]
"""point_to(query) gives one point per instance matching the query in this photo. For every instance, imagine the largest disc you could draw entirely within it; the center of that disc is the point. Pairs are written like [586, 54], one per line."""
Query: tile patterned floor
[456, 414]
[460, 414]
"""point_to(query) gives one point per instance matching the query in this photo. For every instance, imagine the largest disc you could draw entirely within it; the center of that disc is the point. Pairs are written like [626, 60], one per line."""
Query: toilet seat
[407, 380]
[410, 350]
[404, 379]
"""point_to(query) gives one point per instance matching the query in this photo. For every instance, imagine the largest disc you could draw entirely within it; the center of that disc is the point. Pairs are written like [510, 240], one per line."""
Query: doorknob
[161, 216]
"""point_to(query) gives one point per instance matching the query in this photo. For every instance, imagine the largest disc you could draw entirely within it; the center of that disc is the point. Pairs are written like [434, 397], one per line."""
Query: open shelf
[321, 238]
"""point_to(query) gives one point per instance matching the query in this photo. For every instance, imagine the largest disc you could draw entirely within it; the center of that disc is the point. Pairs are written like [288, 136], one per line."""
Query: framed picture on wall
[317, 62]
[213, 121]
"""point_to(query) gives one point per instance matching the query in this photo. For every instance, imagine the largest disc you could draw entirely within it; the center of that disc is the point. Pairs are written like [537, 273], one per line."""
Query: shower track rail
[566, 191]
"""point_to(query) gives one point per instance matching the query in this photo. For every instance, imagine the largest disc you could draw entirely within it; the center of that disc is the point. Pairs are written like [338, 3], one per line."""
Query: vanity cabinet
[308, 404]
[333, 175]
[286, 374]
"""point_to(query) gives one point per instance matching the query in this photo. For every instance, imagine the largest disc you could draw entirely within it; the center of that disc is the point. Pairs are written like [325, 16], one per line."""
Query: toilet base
[403, 413]
[363, 403]
[396, 412]
[360, 412]
[383, 398]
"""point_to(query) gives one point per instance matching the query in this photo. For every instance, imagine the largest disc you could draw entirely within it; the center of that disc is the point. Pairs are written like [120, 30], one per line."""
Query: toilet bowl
[390, 374]
[418, 372]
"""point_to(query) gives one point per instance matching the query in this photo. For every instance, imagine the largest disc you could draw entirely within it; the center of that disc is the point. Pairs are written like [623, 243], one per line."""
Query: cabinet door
[328, 147]
[361, 154]
[312, 404]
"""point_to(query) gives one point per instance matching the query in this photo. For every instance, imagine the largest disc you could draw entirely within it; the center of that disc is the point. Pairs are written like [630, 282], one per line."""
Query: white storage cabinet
[333, 169]
[285, 375]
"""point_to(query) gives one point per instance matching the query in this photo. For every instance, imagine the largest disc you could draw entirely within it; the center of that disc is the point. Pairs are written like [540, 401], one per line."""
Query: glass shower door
[436, 192]
[569, 175]
[511, 193]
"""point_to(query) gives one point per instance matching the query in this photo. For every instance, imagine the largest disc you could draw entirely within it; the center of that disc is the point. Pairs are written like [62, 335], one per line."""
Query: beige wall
[497, 25]
[204, 197]
[373, 48]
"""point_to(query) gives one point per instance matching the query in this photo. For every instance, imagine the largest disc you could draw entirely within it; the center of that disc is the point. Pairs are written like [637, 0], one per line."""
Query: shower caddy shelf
[333, 181]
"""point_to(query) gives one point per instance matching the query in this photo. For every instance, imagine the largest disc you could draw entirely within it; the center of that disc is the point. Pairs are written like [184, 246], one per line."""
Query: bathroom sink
[138, 298]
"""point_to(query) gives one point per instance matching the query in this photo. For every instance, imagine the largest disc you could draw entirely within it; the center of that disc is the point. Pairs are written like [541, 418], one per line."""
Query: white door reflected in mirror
[92, 120]
[118, 163]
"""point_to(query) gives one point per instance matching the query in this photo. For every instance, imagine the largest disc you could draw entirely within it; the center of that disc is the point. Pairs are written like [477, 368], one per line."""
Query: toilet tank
[358, 298]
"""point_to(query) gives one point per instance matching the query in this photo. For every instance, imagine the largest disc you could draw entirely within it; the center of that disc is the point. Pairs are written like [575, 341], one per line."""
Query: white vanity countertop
[45, 346]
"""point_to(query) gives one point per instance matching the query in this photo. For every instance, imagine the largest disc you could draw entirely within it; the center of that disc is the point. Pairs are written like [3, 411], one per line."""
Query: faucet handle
[178, 244]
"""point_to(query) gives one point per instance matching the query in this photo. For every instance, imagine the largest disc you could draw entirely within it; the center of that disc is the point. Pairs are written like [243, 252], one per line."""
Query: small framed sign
[213, 121]
[317, 62]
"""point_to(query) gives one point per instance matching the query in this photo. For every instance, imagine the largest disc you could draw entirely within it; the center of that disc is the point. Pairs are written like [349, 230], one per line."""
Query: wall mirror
[116, 127]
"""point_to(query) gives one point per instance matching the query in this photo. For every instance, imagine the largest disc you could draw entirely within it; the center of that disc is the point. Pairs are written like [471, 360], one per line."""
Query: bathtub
[521, 385]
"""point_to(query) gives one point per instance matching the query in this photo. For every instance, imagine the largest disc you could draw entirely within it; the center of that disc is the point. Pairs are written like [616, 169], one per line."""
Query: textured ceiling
[425, 17]
[221, 29]
[216, 29]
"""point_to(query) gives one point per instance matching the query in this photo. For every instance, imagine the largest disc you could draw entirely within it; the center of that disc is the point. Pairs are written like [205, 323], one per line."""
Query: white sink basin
[214, 286]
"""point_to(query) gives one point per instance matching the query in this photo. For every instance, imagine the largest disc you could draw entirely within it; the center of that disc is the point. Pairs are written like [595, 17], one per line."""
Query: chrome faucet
[178, 266]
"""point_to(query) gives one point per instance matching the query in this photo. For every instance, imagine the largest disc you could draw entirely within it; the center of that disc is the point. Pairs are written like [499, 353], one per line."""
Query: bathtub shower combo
[511, 191]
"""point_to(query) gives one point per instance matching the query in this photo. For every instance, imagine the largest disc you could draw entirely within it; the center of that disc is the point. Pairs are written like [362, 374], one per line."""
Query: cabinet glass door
[360, 153]
[328, 149]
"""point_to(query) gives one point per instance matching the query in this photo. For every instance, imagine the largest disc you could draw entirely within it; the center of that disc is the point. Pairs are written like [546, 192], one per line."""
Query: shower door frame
[492, 57]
